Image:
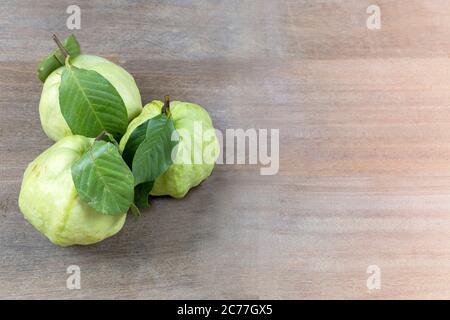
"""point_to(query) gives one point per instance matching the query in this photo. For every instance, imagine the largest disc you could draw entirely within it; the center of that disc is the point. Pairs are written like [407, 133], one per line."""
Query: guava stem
[60, 46]
[166, 106]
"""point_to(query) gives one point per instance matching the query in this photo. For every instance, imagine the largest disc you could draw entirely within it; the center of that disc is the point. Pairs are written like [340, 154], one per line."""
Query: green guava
[52, 120]
[49, 201]
[195, 154]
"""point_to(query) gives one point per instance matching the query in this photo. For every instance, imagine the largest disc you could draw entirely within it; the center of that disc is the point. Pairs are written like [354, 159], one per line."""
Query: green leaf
[90, 104]
[56, 58]
[153, 155]
[135, 139]
[141, 194]
[103, 180]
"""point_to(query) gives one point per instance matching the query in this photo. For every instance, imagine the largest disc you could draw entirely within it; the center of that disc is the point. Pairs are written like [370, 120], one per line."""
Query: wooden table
[364, 175]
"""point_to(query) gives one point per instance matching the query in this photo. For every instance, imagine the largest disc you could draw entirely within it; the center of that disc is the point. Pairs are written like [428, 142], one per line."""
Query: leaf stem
[166, 107]
[60, 46]
[135, 210]
[101, 136]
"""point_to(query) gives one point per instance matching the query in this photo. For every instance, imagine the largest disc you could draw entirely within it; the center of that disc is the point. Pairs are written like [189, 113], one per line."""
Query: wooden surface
[364, 176]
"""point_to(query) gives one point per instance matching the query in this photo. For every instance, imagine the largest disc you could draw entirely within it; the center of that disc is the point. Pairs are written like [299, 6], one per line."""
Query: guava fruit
[49, 201]
[197, 141]
[52, 120]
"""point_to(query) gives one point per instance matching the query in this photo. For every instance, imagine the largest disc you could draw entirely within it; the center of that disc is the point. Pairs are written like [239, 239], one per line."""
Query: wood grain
[364, 176]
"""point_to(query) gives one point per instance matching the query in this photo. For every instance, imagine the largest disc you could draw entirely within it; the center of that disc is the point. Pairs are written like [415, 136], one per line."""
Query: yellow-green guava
[52, 120]
[49, 201]
[196, 152]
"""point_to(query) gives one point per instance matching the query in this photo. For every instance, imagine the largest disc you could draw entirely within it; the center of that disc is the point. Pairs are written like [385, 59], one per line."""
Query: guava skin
[49, 201]
[52, 120]
[180, 177]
